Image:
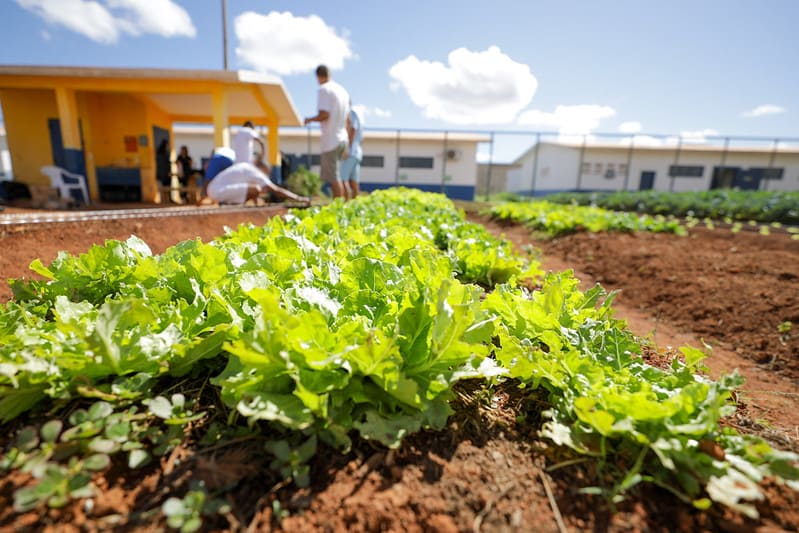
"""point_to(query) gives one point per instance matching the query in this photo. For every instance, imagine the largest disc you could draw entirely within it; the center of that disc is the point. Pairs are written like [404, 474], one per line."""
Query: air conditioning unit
[453, 154]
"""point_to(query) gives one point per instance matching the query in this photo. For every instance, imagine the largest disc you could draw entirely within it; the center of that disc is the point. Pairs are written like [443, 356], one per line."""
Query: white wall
[6, 172]
[557, 168]
[462, 169]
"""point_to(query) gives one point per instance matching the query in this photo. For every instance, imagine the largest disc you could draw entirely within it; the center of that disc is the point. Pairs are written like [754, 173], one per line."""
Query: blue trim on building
[539, 192]
[455, 192]
[74, 161]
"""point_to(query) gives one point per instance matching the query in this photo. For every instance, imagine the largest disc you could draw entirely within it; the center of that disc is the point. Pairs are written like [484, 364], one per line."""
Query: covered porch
[107, 123]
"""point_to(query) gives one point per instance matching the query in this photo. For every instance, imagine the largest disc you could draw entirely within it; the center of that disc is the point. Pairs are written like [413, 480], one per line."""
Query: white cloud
[571, 121]
[648, 140]
[161, 17]
[280, 43]
[87, 18]
[762, 110]
[698, 136]
[366, 111]
[630, 127]
[104, 23]
[473, 88]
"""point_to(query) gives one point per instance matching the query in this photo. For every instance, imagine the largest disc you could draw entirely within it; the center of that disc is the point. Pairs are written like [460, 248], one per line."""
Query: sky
[641, 69]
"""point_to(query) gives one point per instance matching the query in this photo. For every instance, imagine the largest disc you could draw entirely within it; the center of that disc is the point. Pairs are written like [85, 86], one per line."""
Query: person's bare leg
[280, 192]
[355, 189]
[338, 190]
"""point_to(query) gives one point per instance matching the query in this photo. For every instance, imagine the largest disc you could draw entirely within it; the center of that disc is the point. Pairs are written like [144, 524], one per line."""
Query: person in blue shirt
[351, 167]
[222, 159]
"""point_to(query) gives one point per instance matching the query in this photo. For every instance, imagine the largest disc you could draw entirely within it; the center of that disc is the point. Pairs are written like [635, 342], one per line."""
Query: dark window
[767, 173]
[682, 171]
[316, 160]
[416, 162]
[373, 161]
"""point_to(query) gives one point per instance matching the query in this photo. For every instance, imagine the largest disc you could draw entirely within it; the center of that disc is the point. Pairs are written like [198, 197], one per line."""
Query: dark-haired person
[333, 104]
[163, 164]
[244, 144]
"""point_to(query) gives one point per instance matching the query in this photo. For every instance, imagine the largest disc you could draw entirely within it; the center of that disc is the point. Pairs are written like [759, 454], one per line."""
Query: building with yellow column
[107, 123]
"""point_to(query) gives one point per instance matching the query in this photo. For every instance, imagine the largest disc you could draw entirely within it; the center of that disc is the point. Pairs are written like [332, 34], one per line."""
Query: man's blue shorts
[351, 169]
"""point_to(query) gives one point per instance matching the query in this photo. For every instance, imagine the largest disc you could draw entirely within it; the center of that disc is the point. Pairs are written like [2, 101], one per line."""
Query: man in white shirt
[244, 144]
[334, 108]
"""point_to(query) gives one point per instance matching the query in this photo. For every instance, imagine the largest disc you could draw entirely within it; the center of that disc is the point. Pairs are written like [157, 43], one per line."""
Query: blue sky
[695, 68]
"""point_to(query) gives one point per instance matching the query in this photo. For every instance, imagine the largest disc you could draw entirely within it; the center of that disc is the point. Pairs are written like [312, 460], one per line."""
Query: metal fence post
[580, 165]
[723, 158]
[490, 163]
[771, 162]
[444, 164]
[535, 164]
[676, 162]
[309, 158]
[629, 163]
[397, 167]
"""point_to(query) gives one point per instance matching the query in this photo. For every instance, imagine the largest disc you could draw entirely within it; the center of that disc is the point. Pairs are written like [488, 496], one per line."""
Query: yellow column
[68, 117]
[74, 158]
[220, 117]
[91, 167]
[272, 143]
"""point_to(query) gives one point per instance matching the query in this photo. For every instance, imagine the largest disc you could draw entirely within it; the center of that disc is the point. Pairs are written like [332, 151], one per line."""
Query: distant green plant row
[557, 219]
[760, 206]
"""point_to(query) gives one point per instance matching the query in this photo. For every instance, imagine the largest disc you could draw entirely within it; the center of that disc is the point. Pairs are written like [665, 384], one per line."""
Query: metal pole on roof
[224, 32]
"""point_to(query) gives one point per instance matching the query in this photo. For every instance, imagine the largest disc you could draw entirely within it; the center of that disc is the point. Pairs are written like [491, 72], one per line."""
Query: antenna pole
[224, 32]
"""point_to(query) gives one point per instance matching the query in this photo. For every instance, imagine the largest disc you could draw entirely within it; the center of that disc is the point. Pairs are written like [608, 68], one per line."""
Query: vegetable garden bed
[489, 469]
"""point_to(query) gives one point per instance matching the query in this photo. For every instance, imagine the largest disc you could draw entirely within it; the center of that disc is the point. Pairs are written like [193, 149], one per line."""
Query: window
[586, 168]
[416, 162]
[768, 173]
[685, 171]
[622, 169]
[377, 161]
[610, 173]
[303, 159]
[598, 168]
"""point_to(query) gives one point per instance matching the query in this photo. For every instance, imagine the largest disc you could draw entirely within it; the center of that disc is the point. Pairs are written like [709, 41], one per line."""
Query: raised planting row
[556, 219]
[349, 322]
[758, 206]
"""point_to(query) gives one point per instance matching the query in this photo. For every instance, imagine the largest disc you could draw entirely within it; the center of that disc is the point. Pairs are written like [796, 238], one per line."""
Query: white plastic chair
[66, 182]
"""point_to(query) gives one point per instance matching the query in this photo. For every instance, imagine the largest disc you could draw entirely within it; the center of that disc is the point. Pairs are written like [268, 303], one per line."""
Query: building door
[647, 180]
[747, 180]
[725, 177]
[73, 162]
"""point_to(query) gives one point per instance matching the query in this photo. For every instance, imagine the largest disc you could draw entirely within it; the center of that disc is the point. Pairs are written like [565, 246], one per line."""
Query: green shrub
[304, 182]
